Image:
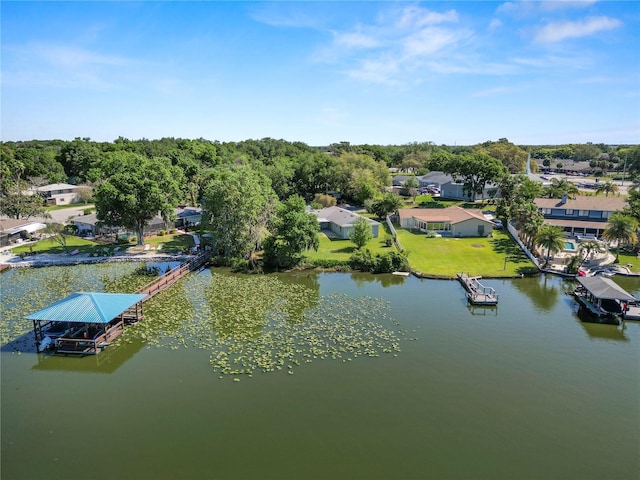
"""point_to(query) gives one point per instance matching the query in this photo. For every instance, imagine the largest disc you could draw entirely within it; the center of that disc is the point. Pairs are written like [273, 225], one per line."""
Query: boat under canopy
[84, 322]
[602, 296]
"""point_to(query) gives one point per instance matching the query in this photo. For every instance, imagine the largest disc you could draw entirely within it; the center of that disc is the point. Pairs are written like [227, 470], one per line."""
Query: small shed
[85, 322]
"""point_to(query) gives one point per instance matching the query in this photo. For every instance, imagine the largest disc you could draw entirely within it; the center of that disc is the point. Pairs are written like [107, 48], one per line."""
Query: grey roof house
[434, 178]
[340, 221]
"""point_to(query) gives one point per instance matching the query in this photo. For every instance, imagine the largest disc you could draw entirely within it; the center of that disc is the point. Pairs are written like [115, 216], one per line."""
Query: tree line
[250, 191]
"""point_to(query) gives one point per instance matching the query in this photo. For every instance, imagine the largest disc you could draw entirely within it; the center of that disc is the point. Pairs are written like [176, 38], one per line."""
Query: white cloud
[414, 16]
[431, 40]
[558, 31]
[379, 70]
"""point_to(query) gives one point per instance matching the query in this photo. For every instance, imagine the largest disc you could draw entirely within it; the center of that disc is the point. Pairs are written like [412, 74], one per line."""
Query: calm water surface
[522, 391]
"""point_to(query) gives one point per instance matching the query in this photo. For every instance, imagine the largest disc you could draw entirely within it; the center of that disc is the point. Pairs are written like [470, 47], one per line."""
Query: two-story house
[581, 215]
[60, 193]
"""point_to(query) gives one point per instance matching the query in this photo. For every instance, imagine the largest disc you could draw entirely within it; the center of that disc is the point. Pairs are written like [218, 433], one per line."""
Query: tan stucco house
[450, 221]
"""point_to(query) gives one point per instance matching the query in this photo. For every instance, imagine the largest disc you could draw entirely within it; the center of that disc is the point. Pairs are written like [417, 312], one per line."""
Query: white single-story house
[60, 193]
[450, 221]
[340, 221]
[185, 216]
[10, 229]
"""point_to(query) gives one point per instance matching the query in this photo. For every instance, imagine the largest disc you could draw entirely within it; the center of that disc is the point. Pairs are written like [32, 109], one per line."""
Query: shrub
[362, 260]
[87, 211]
[172, 231]
[388, 241]
[161, 233]
[388, 262]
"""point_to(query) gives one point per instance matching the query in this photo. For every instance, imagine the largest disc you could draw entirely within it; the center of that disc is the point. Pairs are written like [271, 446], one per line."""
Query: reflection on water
[598, 328]
[469, 392]
[106, 362]
[544, 291]
[484, 311]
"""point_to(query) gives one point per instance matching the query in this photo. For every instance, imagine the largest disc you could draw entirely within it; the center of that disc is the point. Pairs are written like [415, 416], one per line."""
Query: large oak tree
[135, 190]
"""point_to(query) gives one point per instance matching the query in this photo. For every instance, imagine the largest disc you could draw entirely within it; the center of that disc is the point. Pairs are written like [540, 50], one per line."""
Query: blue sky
[323, 72]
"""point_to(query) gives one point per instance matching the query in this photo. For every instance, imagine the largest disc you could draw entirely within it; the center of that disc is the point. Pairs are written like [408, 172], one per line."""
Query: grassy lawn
[175, 243]
[627, 259]
[339, 249]
[48, 245]
[171, 243]
[476, 256]
[70, 205]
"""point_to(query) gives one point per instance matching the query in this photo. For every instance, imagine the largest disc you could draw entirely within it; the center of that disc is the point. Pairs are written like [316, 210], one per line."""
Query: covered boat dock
[602, 296]
[85, 323]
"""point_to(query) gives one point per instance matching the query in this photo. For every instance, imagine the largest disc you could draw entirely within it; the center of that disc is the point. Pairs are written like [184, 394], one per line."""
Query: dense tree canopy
[135, 190]
[293, 231]
[475, 171]
[237, 205]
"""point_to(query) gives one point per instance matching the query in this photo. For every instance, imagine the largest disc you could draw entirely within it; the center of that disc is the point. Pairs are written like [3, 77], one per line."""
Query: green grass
[175, 242]
[49, 245]
[170, 244]
[498, 256]
[341, 250]
[69, 205]
[628, 259]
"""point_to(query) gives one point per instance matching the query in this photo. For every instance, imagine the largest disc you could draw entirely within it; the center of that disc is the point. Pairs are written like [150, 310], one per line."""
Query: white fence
[393, 232]
[514, 233]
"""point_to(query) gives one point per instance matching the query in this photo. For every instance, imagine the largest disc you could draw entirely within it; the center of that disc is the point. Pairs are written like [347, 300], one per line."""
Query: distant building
[185, 216]
[11, 229]
[60, 193]
[434, 178]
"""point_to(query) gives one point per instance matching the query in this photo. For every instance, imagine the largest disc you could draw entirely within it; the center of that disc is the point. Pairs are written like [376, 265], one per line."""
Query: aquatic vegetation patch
[27, 290]
[261, 324]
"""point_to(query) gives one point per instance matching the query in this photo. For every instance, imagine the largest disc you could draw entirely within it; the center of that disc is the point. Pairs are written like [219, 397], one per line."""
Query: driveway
[62, 215]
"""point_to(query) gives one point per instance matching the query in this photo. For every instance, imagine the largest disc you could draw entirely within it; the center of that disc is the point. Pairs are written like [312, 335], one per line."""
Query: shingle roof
[56, 186]
[605, 204]
[91, 307]
[452, 215]
[436, 177]
[340, 216]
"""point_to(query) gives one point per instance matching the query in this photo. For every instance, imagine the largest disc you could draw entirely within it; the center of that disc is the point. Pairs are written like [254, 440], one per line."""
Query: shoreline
[63, 259]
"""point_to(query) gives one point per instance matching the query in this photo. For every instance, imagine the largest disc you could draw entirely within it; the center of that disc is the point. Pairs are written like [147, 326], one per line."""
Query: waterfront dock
[477, 294]
[85, 323]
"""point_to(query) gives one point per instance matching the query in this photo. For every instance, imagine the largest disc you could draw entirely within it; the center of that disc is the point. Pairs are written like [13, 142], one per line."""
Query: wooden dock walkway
[171, 277]
[477, 294]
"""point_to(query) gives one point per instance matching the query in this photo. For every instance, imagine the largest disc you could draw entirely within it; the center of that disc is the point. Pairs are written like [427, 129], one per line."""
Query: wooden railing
[173, 276]
[89, 345]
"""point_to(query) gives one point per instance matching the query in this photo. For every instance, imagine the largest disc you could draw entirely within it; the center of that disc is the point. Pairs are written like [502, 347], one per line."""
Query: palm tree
[607, 188]
[551, 237]
[622, 229]
[586, 248]
[560, 187]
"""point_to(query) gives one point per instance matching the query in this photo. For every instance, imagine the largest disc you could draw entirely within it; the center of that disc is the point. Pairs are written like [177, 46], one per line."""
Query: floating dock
[477, 294]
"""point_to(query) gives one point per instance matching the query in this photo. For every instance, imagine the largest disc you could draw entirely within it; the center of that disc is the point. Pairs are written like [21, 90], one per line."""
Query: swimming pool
[569, 246]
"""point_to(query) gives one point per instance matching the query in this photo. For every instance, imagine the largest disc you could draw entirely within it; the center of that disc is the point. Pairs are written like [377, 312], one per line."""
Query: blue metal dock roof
[88, 307]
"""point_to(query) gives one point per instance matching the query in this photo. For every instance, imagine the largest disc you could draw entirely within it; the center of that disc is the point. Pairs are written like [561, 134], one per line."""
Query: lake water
[522, 391]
